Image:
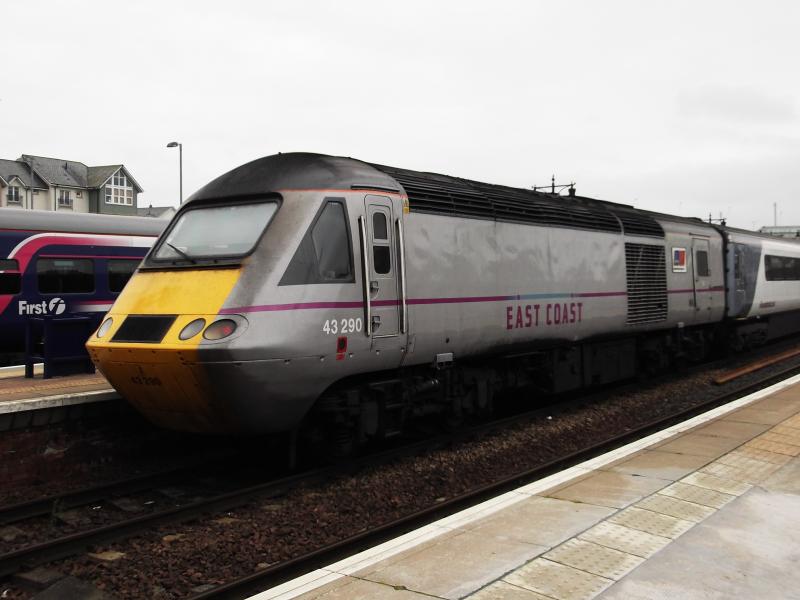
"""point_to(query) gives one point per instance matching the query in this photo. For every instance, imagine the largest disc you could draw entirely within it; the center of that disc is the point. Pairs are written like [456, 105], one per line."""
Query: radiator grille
[647, 283]
[147, 329]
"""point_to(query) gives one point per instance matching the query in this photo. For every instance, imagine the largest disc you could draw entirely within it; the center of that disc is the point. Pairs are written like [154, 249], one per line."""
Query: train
[305, 291]
[64, 264]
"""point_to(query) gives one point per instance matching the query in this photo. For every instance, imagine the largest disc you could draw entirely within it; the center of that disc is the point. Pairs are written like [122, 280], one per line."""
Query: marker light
[192, 329]
[220, 329]
[103, 329]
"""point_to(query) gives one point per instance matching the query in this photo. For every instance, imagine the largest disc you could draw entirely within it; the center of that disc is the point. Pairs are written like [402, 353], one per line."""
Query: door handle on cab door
[373, 286]
[376, 322]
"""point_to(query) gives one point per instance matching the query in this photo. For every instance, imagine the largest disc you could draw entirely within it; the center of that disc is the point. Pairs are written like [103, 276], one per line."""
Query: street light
[180, 165]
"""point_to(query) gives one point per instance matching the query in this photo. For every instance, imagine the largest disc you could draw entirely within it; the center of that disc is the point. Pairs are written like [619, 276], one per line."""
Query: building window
[119, 190]
[64, 198]
[13, 194]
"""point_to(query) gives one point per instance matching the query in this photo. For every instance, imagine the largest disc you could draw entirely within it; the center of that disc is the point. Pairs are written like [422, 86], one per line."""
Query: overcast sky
[683, 107]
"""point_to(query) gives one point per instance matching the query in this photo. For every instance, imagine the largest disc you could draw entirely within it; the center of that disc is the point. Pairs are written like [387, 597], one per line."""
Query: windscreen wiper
[182, 253]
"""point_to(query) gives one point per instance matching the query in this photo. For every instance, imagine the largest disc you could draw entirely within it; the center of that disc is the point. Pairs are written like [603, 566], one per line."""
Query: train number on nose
[334, 326]
[144, 380]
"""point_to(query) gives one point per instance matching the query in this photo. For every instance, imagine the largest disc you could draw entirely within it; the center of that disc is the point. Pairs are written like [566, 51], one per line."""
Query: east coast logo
[55, 306]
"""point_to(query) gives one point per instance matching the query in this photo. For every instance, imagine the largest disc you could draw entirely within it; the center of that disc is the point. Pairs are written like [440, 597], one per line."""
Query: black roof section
[427, 193]
[294, 170]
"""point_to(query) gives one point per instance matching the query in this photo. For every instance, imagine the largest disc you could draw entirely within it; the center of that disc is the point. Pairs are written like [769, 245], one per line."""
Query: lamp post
[180, 165]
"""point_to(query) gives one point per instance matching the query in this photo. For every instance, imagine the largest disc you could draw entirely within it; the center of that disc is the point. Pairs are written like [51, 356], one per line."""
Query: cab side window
[325, 253]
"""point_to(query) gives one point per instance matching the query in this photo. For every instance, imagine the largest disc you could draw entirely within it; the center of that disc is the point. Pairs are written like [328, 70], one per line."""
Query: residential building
[41, 183]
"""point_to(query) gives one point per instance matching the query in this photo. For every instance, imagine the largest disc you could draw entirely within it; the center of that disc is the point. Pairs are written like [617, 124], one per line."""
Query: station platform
[707, 509]
[26, 402]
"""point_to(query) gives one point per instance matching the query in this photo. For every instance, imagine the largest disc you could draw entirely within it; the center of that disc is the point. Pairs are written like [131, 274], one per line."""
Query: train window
[379, 230]
[216, 232]
[381, 259]
[331, 246]
[65, 275]
[324, 254]
[782, 268]
[119, 272]
[701, 257]
[10, 283]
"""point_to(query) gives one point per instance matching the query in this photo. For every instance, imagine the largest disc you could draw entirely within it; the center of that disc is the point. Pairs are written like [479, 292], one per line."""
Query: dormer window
[13, 194]
[64, 198]
[119, 190]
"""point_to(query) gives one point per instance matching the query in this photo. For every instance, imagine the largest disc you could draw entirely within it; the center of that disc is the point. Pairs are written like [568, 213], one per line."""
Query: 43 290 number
[336, 326]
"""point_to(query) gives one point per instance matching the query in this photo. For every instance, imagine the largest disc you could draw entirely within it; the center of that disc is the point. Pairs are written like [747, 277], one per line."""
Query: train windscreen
[209, 232]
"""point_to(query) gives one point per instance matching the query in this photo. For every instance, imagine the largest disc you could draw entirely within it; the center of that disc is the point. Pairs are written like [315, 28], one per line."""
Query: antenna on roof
[556, 188]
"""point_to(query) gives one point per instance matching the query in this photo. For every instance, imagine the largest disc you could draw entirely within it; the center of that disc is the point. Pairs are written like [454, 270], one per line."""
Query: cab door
[702, 280]
[384, 275]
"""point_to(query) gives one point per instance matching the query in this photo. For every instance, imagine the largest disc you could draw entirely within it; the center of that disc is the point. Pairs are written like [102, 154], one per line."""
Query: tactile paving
[792, 422]
[781, 438]
[718, 484]
[755, 454]
[750, 474]
[790, 432]
[594, 558]
[625, 539]
[775, 447]
[652, 522]
[558, 581]
[698, 495]
[675, 507]
[500, 590]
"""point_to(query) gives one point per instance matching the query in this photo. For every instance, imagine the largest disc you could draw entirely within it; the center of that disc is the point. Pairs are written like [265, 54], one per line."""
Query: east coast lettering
[543, 315]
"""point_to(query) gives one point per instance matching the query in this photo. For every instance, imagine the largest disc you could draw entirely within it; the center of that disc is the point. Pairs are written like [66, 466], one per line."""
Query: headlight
[103, 329]
[220, 329]
[192, 329]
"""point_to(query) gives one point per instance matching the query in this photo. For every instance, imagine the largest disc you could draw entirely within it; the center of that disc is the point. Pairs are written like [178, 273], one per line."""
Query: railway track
[54, 549]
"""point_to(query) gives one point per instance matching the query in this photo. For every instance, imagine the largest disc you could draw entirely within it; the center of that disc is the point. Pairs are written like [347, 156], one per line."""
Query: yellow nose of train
[146, 360]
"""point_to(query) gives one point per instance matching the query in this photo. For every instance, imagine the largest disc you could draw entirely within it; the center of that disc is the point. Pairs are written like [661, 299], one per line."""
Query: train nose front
[149, 345]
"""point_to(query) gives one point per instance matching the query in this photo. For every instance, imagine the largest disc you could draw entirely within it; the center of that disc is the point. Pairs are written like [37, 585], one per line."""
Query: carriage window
[65, 275]
[119, 272]
[379, 231]
[331, 244]
[782, 268]
[702, 263]
[10, 283]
